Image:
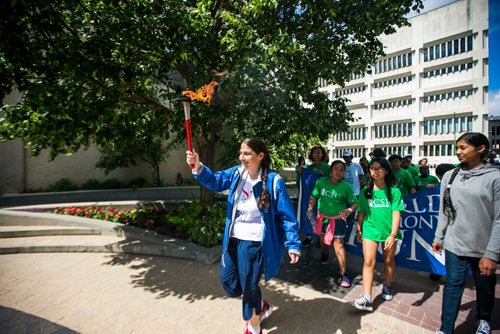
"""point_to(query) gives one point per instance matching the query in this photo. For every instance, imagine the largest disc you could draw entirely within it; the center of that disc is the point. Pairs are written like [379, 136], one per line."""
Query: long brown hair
[258, 147]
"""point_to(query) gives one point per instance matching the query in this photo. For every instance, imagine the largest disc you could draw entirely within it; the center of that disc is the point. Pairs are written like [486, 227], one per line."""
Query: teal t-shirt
[333, 197]
[405, 181]
[422, 182]
[377, 223]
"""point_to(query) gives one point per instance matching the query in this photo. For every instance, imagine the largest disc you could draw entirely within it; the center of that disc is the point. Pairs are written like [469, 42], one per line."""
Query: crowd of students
[261, 224]
[379, 185]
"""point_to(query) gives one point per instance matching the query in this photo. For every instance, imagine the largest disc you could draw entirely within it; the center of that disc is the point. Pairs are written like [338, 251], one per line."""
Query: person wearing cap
[353, 172]
[405, 181]
[409, 167]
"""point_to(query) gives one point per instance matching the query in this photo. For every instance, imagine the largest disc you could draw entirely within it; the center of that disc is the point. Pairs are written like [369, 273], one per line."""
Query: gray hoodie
[475, 232]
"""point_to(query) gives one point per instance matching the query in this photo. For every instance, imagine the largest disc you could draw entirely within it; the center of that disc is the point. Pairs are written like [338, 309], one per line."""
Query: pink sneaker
[247, 331]
[266, 311]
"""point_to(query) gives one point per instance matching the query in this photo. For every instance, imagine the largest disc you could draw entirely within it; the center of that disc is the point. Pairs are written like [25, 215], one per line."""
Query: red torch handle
[189, 138]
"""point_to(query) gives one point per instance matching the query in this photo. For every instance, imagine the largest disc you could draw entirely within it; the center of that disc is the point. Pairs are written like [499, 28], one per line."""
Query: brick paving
[417, 300]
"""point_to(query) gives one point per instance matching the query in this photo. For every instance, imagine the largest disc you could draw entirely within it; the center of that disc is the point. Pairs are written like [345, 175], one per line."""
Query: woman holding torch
[260, 224]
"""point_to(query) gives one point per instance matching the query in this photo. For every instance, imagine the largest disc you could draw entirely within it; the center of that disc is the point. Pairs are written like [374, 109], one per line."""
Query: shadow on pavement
[194, 281]
[15, 321]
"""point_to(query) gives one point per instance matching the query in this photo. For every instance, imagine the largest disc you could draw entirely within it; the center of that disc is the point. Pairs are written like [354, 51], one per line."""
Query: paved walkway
[120, 293]
[133, 293]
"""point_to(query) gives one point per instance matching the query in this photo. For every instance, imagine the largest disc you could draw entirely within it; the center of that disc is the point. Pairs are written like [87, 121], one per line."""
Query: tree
[81, 64]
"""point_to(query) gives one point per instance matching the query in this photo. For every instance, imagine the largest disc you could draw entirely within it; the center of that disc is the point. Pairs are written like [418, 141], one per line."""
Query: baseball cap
[347, 153]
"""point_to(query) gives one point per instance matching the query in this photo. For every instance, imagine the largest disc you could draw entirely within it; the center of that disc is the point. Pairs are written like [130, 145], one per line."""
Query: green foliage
[196, 222]
[203, 224]
[110, 184]
[103, 71]
[138, 182]
[91, 184]
[63, 184]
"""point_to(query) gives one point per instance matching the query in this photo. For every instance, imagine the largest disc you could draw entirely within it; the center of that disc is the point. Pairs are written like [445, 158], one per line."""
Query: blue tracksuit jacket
[281, 226]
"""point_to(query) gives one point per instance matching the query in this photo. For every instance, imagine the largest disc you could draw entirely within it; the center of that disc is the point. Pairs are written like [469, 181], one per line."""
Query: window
[443, 50]
[455, 47]
[426, 127]
[379, 67]
[462, 45]
[394, 63]
[426, 54]
[409, 59]
[404, 60]
[385, 65]
[469, 43]
[399, 61]
[438, 126]
[437, 52]
[469, 123]
[390, 64]
[450, 48]
[431, 53]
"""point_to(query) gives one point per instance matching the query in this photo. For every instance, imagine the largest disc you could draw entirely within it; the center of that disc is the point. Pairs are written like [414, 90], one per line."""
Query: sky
[494, 49]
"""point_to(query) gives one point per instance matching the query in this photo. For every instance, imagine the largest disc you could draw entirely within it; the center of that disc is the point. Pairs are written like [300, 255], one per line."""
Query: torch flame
[204, 94]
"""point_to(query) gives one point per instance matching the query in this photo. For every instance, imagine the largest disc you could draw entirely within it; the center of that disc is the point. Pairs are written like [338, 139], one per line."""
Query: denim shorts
[340, 227]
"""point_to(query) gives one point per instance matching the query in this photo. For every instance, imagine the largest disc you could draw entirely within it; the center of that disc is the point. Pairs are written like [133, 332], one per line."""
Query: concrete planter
[113, 195]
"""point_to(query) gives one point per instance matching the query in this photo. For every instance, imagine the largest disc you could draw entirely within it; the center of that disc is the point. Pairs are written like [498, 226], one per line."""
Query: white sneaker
[362, 304]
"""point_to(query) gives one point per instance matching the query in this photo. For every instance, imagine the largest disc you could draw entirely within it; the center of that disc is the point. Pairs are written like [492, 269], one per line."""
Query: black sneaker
[362, 304]
[306, 242]
[324, 258]
[483, 327]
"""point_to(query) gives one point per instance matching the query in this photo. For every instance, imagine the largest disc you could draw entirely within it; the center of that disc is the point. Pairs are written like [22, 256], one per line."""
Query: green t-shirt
[405, 181]
[422, 182]
[377, 223]
[333, 197]
[324, 168]
[413, 170]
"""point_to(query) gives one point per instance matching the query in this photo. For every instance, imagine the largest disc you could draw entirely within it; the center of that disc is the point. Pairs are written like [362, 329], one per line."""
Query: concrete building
[431, 86]
[494, 133]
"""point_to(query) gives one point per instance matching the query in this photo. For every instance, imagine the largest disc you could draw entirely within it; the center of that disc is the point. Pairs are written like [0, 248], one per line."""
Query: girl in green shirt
[380, 205]
[335, 198]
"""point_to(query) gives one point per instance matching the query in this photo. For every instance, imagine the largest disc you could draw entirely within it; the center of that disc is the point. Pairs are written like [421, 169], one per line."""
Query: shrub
[203, 224]
[196, 222]
[91, 184]
[138, 182]
[63, 184]
[111, 184]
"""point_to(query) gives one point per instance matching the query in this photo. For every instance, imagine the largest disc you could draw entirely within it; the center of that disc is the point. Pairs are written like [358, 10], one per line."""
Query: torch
[204, 94]
[186, 104]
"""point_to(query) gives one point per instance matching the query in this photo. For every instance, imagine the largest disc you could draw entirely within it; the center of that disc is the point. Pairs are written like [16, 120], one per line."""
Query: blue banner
[418, 224]
[308, 179]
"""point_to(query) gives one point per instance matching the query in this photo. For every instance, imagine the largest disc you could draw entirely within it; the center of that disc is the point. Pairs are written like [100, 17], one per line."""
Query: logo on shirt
[378, 203]
[329, 193]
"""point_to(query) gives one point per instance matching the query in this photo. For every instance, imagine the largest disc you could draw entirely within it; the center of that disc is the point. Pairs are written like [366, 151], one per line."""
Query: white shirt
[352, 174]
[248, 223]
